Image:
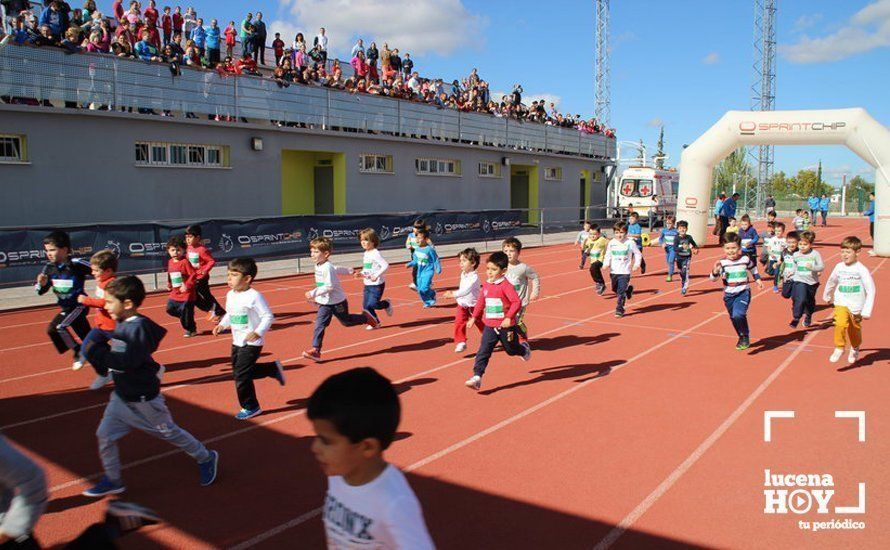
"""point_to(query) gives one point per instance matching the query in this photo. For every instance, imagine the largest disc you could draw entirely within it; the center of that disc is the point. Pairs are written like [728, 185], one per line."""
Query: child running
[635, 233]
[749, 238]
[668, 239]
[798, 220]
[65, 276]
[807, 268]
[329, 296]
[136, 401]
[786, 268]
[249, 317]
[595, 247]
[373, 268]
[852, 290]
[202, 261]
[410, 245]
[426, 260]
[498, 309]
[733, 270]
[466, 295]
[103, 265]
[580, 240]
[519, 274]
[686, 247]
[622, 258]
[369, 503]
[774, 247]
[181, 284]
[733, 226]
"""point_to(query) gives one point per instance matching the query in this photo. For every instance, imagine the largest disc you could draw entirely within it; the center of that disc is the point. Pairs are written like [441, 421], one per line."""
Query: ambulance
[638, 185]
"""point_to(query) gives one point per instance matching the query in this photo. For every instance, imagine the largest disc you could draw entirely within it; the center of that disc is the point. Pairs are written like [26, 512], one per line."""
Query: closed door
[519, 190]
[324, 189]
[583, 201]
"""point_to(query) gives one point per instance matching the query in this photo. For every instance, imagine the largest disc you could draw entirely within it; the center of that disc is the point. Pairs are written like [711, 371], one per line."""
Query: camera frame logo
[812, 493]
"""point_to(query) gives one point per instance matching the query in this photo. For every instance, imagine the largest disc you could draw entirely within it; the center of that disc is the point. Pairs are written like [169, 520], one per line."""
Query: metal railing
[100, 81]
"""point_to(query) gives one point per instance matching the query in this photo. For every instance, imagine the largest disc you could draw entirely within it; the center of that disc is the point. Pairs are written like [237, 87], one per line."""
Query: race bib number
[100, 293]
[494, 308]
[117, 346]
[850, 289]
[595, 254]
[669, 240]
[176, 278]
[746, 243]
[239, 318]
[194, 259]
[422, 258]
[368, 266]
[63, 286]
[736, 273]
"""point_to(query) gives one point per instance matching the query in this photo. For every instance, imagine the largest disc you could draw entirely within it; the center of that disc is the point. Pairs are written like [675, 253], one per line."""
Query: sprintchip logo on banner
[15, 256]
[247, 241]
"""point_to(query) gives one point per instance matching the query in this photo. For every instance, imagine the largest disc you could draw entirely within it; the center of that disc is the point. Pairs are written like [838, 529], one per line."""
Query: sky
[677, 63]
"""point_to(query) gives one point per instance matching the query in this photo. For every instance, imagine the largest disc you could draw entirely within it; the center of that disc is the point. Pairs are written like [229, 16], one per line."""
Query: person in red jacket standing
[167, 26]
[203, 262]
[181, 285]
[177, 21]
[103, 265]
[497, 306]
[151, 14]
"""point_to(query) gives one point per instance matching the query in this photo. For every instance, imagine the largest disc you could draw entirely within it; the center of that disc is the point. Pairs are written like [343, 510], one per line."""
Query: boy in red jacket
[167, 25]
[181, 285]
[203, 262]
[499, 303]
[103, 265]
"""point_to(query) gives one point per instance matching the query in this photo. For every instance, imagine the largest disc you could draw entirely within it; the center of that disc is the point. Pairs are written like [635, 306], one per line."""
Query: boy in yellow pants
[852, 290]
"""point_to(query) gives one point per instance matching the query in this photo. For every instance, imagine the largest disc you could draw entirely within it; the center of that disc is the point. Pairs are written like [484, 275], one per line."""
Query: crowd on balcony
[180, 39]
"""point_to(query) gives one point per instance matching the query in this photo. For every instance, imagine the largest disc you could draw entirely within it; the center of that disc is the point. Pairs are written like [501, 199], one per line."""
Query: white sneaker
[475, 382]
[461, 346]
[369, 327]
[77, 364]
[412, 286]
[161, 370]
[854, 355]
[836, 355]
[528, 352]
[872, 253]
[99, 382]
[388, 310]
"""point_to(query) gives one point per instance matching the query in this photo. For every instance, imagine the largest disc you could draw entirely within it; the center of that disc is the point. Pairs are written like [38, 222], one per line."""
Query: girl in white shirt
[466, 295]
[373, 268]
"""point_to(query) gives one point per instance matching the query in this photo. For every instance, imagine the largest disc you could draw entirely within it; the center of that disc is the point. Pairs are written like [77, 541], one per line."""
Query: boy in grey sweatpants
[137, 401]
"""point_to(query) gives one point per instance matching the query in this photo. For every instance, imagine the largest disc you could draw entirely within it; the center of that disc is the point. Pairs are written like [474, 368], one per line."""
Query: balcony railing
[104, 81]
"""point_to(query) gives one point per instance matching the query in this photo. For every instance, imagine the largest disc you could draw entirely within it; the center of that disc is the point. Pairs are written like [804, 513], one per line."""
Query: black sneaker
[808, 321]
[743, 343]
[600, 289]
[630, 292]
[794, 323]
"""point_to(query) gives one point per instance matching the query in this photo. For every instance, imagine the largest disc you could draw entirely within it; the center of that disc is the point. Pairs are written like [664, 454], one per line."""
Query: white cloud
[806, 21]
[867, 30]
[415, 26]
[711, 58]
[655, 123]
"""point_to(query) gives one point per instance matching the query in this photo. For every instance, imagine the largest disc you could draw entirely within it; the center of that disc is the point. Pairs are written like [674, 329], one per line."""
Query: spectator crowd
[168, 35]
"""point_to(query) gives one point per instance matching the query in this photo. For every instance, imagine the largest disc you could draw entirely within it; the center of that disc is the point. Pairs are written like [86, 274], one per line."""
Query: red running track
[643, 431]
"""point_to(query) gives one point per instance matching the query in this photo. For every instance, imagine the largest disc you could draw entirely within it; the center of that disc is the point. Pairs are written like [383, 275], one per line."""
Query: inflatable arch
[851, 127]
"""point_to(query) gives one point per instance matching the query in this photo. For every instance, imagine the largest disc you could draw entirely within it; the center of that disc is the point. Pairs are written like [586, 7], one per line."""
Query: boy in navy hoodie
[65, 276]
[137, 401]
[749, 238]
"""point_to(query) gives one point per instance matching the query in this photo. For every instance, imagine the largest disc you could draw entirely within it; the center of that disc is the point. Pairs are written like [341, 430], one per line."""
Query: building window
[489, 170]
[437, 167]
[375, 164]
[553, 174]
[12, 148]
[179, 154]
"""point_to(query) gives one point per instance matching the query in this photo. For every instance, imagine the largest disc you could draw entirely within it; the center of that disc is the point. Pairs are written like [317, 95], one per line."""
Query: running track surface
[644, 431]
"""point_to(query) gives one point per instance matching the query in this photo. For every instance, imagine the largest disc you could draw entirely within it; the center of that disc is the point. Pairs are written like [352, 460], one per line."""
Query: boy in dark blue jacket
[65, 276]
[137, 401]
[749, 238]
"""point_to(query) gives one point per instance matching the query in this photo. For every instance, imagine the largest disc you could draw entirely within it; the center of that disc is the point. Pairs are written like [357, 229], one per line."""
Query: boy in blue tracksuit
[426, 260]
[65, 276]
[749, 238]
[635, 233]
[668, 239]
[137, 401]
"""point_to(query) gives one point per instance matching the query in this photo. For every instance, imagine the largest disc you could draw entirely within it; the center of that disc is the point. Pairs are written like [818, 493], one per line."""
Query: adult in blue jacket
[813, 204]
[727, 210]
[56, 19]
[871, 221]
[199, 36]
[824, 205]
[212, 41]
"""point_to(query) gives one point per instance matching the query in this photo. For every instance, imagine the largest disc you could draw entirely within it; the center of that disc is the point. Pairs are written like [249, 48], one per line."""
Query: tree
[779, 185]
[659, 155]
[857, 191]
[734, 172]
[819, 175]
[807, 183]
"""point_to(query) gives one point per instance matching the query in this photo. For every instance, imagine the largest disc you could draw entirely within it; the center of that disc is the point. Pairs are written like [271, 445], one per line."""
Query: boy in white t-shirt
[852, 290]
[579, 242]
[249, 317]
[369, 503]
[328, 295]
[373, 268]
[622, 258]
[466, 295]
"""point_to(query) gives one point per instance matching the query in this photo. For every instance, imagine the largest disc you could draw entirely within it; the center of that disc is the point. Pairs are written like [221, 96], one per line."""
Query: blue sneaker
[104, 487]
[279, 373]
[208, 469]
[244, 414]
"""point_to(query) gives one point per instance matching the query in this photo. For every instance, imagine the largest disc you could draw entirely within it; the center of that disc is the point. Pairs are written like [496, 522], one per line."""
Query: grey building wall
[82, 170]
